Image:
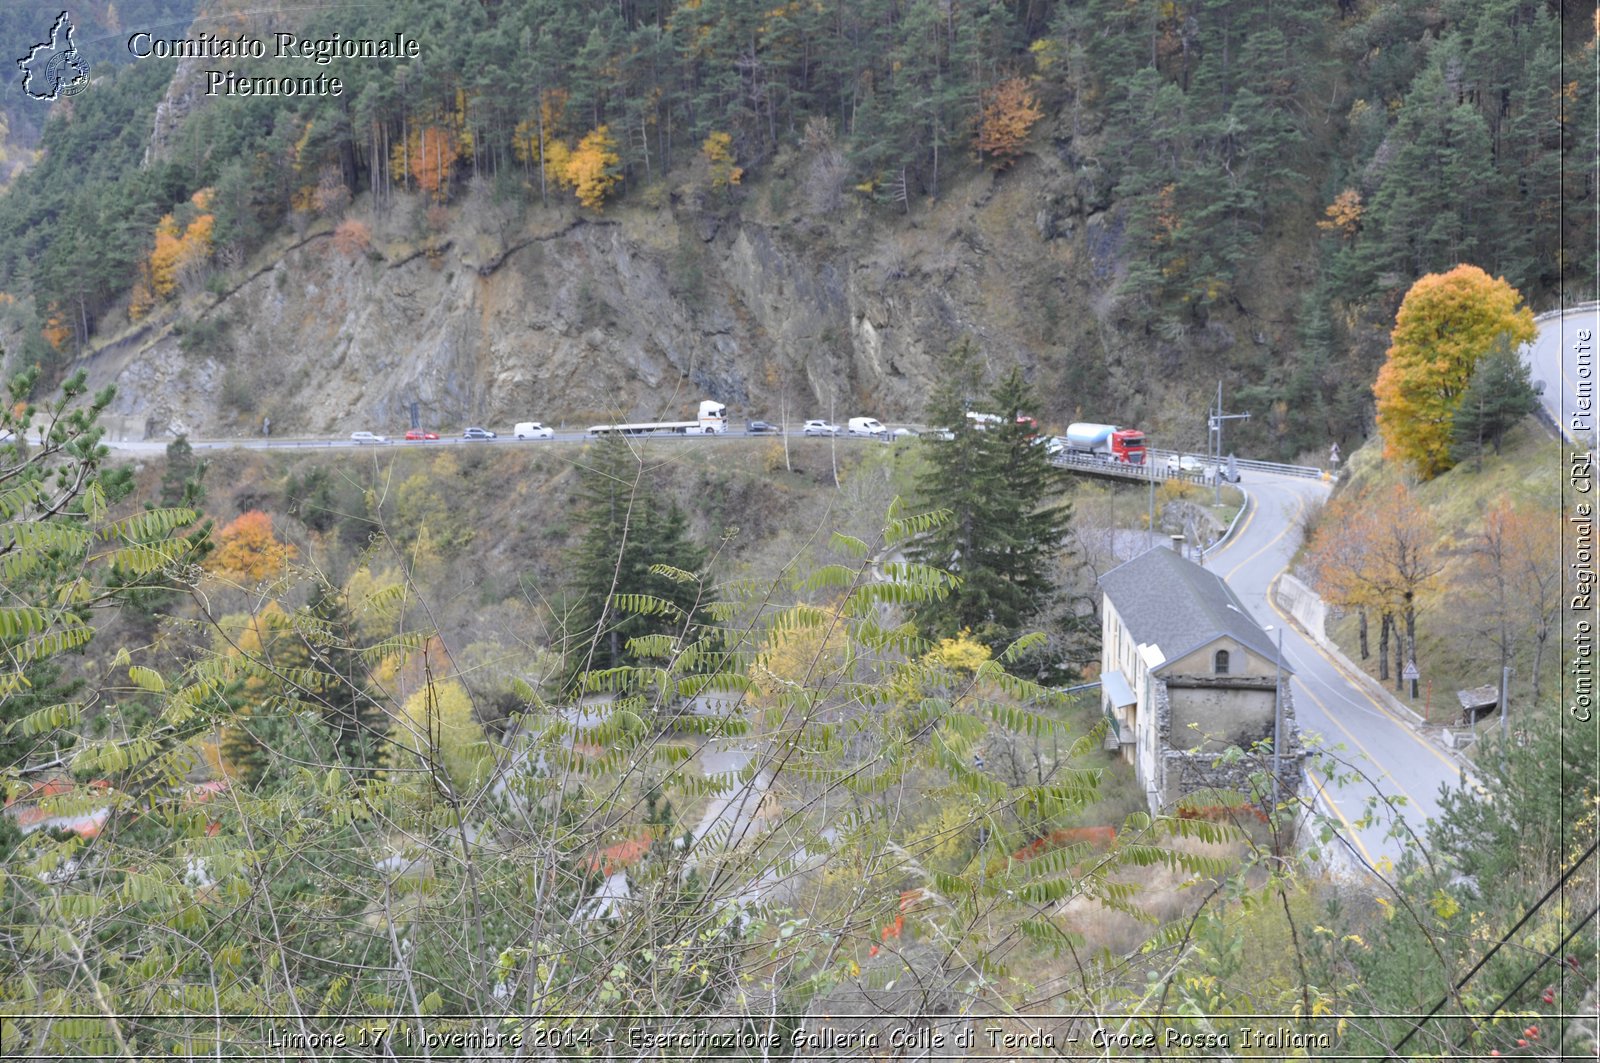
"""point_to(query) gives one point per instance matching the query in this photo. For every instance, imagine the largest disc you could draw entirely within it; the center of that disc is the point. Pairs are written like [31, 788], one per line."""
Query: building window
[1219, 663]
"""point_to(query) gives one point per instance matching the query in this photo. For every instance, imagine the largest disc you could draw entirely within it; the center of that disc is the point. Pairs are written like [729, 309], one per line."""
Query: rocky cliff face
[641, 312]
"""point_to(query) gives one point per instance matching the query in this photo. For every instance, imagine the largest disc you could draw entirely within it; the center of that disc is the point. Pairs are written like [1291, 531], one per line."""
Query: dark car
[477, 433]
[760, 427]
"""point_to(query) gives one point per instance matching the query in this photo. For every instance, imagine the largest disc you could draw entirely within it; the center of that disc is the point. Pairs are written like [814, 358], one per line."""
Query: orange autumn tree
[1008, 116]
[247, 550]
[1515, 584]
[180, 254]
[427, 156]
[1446, 323]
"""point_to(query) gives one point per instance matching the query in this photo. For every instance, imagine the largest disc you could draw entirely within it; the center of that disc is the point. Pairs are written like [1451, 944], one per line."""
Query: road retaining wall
[1306, 606]
[1310, 614]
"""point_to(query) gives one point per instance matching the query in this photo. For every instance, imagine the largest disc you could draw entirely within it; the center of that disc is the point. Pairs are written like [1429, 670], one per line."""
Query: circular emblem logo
[67, 73]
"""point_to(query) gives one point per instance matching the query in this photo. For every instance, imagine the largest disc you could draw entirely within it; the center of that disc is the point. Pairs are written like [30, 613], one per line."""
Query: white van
[532, 430]
[866, 426]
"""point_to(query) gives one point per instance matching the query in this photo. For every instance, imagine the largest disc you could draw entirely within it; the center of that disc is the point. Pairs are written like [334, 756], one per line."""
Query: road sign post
[1413, 675]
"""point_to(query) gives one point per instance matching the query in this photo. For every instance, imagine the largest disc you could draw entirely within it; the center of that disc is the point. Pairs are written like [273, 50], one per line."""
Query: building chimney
[1177, 545]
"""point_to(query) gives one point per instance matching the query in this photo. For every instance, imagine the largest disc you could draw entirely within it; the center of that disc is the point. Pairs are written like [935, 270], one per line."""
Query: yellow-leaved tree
[593, 169]
[435, 730]
[718, 150]
[1446, 323]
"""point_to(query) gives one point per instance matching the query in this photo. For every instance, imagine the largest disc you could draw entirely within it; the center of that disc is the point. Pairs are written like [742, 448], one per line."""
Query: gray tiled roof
[1176, 605]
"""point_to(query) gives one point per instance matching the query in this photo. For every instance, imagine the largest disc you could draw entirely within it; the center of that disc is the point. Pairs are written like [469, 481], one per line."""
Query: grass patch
[1453, 652]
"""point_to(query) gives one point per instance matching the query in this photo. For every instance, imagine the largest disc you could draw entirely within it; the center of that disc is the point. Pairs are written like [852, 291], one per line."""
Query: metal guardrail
[1311, 472]
[1551, 315]
[1156, 468]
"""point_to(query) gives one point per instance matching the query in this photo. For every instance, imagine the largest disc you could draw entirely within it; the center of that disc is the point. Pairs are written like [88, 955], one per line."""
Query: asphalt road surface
[1565, 364]
[1381, 758]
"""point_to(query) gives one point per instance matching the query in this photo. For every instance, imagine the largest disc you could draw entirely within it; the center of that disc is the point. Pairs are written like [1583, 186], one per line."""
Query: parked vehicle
[532, 430]
[367, 437]
[1107, 442]
[865, 426]
[757, 428]
[819, 428]
[712, 420]
[417, 434]
[478, 433]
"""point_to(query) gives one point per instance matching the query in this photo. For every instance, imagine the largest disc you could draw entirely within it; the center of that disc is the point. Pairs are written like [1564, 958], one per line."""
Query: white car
[820, 428]
[533, 430]
[1185, 463]
[367, 437]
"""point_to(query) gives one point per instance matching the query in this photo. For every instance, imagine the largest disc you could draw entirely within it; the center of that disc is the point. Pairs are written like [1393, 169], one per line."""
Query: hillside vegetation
[1237, 190]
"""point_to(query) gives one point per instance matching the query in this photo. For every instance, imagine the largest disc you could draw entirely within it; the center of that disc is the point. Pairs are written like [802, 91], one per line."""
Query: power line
[1560, 948]
[1490, 954]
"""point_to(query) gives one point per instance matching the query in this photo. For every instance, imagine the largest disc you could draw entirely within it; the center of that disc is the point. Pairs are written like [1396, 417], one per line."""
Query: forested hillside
[1256, 182]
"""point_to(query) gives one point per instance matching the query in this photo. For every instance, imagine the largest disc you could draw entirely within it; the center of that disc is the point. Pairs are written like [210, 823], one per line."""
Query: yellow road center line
[1358, 687]
[1350, 828]
[1364, 751]
[1294, 522]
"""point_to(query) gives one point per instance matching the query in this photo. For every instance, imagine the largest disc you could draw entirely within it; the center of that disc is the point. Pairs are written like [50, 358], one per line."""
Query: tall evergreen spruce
[1007, 522]
[1498, 395]
[340, 682]
[628, 529]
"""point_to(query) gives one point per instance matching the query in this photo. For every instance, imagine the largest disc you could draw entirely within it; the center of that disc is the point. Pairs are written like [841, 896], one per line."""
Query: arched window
[1219, 663]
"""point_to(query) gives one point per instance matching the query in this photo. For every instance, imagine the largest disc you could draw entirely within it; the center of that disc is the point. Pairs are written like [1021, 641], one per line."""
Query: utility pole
[1277, 720]
[1150, 526]
[1214, 435]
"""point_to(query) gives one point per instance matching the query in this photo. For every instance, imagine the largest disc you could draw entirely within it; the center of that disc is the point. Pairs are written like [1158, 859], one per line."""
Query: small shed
[1478, 703]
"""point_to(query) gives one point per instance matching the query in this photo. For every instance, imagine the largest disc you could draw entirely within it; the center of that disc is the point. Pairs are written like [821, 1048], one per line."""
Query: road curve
[1562, 359]
[1382, 759]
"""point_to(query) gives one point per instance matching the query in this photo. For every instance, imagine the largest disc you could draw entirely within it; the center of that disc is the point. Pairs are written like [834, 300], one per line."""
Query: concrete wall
[1306, 606]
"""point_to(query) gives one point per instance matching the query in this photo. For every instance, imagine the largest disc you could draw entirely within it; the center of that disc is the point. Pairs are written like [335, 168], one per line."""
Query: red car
[417, 433]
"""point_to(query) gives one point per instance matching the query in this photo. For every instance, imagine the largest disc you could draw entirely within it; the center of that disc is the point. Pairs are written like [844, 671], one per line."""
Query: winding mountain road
[1388, 777]
[1562, 359]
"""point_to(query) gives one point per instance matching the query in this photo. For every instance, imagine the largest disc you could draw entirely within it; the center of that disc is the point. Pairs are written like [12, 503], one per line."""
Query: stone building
[1185, 674]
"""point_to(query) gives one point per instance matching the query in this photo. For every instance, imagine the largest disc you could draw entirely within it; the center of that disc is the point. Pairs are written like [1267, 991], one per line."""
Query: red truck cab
[1127, 446]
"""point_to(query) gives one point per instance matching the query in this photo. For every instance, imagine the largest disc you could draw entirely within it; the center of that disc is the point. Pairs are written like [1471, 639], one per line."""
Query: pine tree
[1006, 527]
[1499, 395]
[340, 681]
[628, 529]
[183, 482]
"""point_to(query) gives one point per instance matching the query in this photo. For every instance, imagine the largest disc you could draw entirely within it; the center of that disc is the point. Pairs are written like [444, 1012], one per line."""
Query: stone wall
[1178, 772]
